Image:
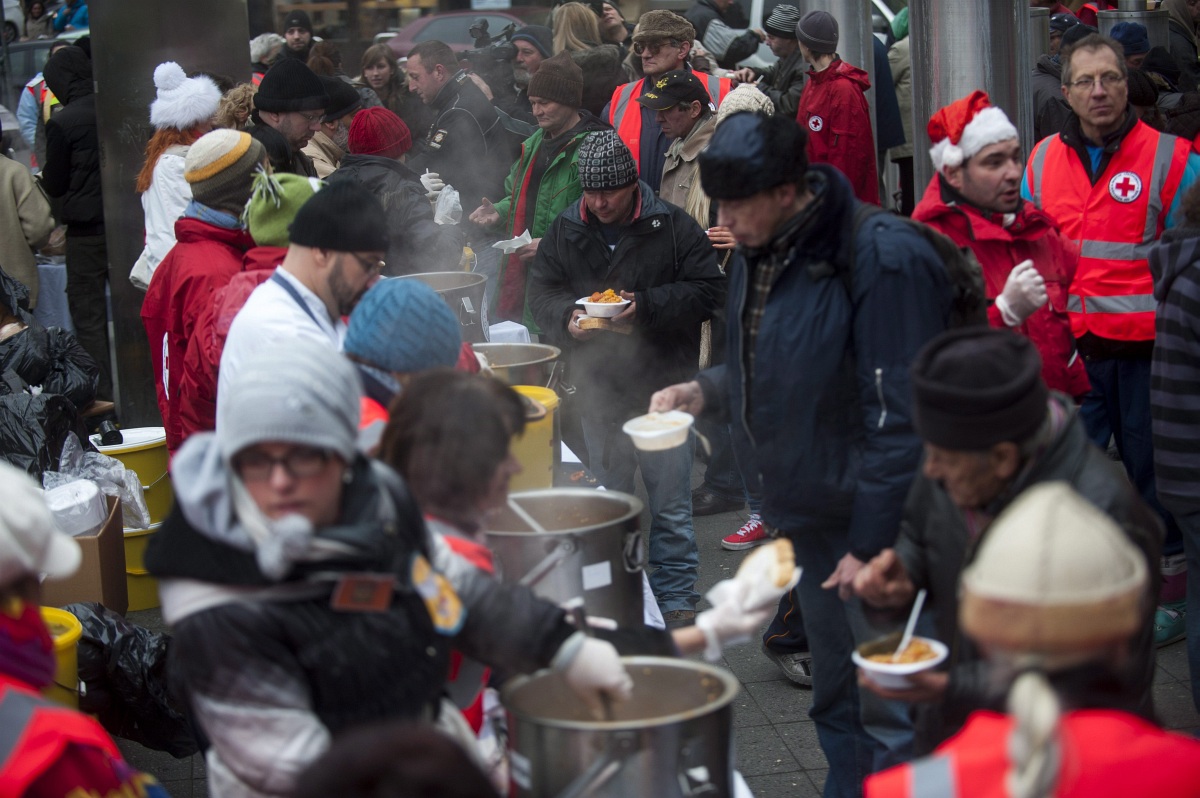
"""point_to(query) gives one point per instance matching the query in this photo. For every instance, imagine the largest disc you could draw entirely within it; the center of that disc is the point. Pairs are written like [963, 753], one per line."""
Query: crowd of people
[983, 399]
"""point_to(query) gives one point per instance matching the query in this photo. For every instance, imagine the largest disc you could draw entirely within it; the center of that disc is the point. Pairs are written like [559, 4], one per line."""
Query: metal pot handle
[634, 555]
[548, 563]
[467, 307]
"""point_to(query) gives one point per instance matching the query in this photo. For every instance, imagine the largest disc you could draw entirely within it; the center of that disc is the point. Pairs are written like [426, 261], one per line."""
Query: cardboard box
[101, 576]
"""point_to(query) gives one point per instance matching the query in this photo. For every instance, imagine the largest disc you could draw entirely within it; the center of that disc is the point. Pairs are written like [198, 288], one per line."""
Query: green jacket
[558, 189]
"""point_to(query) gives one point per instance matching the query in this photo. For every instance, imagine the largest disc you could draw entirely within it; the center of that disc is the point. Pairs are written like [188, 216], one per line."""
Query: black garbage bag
[123, 668]
[33, 429]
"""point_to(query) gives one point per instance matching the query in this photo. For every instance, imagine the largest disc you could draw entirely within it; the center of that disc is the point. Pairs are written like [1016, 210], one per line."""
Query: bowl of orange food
[878, 659]
[603, 304]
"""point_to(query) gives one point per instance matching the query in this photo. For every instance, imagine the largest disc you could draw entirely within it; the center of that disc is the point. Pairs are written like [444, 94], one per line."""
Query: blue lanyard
[294, 294]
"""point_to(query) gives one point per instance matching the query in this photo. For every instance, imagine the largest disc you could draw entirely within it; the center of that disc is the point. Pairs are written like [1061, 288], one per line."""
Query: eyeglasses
[370, 266]
[310, 118]
[1107, 81]
[300, 463]
[653, 47]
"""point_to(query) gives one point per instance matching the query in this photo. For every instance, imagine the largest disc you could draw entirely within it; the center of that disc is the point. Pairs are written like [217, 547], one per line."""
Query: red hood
[263, 258]
[966, 223]
[840, 69]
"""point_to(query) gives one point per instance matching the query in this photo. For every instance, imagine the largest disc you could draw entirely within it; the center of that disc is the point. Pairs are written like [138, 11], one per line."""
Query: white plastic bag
[449, 207]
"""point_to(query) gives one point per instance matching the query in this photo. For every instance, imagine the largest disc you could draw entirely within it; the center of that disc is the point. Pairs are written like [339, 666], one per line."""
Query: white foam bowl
[895, 676]
[654, 432]
[602, 310]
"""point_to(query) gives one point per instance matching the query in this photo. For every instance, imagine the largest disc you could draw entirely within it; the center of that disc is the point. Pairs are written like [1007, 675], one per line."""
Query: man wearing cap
[534, 44]
[833, 107]
[800, 326]
[379, 143]
[974, 198]
[46, 748]
[1050, 110]
[991, 431]
[330, 143]
[662, 40]
[291, 100]
[722, 28]
[211, 241]
[543, 182]
[1112, 185]
[783, 81]
[298, 33]
[1134, 40]
[338, 241]
[620, 236]
[683, 111]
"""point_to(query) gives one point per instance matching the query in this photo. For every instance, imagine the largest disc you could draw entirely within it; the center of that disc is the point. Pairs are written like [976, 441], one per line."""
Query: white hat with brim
[30, 543]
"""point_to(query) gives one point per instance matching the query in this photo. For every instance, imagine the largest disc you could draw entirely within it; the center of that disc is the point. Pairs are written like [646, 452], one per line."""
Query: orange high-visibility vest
[625, 115]
[1114, 223]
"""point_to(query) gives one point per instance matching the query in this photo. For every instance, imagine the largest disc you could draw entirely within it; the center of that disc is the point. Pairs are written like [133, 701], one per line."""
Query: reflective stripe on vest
[16, 708]
[933, 777]
[627, 121]
[1137, 303]
[1037, 169]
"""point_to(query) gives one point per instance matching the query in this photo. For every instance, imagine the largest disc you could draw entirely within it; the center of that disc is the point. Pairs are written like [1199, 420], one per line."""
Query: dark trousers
[732, 471]
[87, 278]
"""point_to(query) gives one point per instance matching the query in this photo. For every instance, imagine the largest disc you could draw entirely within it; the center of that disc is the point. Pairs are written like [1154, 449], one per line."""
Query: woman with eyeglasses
[304, 592]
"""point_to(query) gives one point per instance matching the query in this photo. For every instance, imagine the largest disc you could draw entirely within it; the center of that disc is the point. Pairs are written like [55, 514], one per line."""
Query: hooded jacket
[1175, 368]
[833, 110]
[999, 245]
[72, 170]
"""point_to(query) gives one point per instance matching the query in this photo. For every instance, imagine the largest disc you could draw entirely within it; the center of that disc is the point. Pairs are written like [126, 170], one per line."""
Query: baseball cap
[673, 88]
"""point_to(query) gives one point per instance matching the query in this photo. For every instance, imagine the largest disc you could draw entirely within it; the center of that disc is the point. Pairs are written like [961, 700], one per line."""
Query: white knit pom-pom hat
[182, 102]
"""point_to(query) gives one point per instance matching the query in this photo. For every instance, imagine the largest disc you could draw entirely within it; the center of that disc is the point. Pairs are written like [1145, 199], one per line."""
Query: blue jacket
[829, 405]
[74, 14]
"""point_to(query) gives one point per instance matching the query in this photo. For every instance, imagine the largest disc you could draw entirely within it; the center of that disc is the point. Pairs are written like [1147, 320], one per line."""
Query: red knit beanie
[378, 131]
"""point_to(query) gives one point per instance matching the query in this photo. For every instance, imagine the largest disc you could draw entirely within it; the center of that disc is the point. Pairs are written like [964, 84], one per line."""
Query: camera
[488, 48]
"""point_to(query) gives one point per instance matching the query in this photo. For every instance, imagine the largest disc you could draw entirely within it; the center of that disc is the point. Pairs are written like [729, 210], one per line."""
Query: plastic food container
[65, 631]
[602, 310]
[78, 507]
[654, 432]
[894, 676]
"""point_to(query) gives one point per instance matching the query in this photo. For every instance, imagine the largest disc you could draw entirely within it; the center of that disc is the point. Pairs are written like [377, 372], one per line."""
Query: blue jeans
[1189, 525]
[667, 475]
[859, 732]
[732, 471]
[1118, 405]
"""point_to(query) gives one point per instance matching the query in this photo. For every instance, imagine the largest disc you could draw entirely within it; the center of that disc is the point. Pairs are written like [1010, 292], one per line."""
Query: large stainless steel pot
[672, 739]
[522, 364]
[463, 293]
[591, 549]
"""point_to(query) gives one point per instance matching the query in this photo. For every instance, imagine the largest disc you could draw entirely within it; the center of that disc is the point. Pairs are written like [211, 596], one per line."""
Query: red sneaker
[752, 534]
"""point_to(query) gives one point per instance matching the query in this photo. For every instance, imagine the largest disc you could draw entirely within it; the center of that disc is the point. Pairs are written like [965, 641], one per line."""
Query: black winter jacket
[1050, 110]
[666, 260]
[728, 41]
[783, 82]
[1183, 50]
[828, 413]
[72, 169]
[936, 544]
[418, 244]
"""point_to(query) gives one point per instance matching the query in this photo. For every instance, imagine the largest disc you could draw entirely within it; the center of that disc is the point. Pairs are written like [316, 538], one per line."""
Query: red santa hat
[964, 127]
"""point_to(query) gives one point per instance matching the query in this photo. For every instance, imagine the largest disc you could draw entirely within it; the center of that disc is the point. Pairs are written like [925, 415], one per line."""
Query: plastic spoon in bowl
[911, 625]
[526, 517]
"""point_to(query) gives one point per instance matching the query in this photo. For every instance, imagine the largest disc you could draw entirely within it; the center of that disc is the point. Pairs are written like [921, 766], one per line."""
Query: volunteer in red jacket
[974, 198]
[46, 749]
[833, 107]
[1053, 594]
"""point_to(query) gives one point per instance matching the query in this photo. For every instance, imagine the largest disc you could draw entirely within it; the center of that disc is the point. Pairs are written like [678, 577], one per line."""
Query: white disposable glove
[593, 669]
[741, 605]
[433, 185]
[1024, 293]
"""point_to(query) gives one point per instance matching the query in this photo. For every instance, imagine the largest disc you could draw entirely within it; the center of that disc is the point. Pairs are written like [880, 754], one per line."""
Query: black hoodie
[72, 169]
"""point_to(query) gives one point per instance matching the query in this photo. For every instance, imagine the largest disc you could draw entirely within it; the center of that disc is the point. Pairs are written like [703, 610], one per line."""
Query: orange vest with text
[625, 115]
[1114, 223]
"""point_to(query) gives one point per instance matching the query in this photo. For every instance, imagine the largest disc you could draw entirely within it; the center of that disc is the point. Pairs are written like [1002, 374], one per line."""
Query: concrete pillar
[1039, 34]
[962, 46]
[129, 39]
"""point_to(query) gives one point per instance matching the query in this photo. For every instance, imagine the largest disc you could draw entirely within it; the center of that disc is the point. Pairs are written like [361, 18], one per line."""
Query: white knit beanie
[182, 102]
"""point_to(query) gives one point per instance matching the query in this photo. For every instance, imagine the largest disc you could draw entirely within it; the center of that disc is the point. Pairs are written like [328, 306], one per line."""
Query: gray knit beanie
[298, 391]
[818, 31]
[605, 162]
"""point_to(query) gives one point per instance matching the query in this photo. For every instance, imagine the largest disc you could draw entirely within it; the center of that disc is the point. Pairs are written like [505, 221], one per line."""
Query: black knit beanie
[344, 217]
[298, 19]
[290, 86]
[974, 387]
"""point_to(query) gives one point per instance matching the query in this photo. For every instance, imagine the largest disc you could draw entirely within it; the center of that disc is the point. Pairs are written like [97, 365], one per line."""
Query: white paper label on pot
[597, 575]
[520, 769]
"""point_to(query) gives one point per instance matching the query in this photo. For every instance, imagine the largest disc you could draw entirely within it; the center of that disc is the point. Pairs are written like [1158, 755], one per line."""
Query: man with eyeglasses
[338, 241]
[292, 101]
[1112, 184]
[663, 40]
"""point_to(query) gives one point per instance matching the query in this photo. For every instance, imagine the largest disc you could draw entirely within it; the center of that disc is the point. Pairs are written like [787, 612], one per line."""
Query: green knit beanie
[274, 203]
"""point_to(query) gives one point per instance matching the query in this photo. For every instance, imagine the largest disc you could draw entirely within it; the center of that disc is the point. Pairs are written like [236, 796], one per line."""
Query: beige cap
[663, 24]
[1053, 575]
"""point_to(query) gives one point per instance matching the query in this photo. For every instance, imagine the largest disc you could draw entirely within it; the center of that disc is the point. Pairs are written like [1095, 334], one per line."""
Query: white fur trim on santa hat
[990, 126]
[182, 102]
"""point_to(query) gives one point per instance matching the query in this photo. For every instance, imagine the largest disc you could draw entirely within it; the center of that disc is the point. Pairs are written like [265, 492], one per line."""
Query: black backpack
[970, 303]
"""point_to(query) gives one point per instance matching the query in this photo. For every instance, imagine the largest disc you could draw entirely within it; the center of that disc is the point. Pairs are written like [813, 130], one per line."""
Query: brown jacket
[325, 155]
[681, 172]
[25, 223]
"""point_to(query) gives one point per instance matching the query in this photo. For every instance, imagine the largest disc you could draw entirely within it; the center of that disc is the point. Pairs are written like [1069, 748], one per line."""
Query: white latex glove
[433, 185]
[593, 669]
[1024, 293]
[741, 605]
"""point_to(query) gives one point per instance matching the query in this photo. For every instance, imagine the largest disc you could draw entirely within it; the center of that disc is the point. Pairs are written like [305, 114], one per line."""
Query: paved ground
[777, 748]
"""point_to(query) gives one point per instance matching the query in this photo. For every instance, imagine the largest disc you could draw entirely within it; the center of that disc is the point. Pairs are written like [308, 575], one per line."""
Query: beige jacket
[25, 224]
[326, 156]
[681, 172]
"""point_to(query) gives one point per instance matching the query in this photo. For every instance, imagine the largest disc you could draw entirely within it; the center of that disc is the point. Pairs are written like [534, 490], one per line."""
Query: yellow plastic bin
[143, 589]
[65, 630]
[538, 450]
[136, 541]
[144, 452]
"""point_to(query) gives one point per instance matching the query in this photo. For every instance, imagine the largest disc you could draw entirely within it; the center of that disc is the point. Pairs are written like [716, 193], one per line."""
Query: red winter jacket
[1032, 235]
[833, 109]
[202, 261]
[198, 382]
